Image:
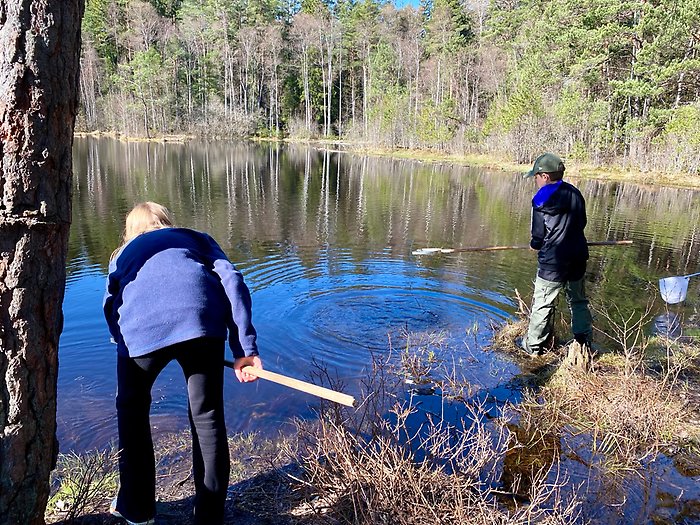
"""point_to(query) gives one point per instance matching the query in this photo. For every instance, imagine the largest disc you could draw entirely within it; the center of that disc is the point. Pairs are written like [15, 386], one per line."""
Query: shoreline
[478, 160]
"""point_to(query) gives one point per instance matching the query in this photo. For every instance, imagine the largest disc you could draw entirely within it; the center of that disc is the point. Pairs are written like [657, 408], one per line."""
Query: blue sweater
[171, 285]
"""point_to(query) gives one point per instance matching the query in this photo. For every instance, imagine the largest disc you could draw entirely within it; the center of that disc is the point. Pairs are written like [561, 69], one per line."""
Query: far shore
[487, 161]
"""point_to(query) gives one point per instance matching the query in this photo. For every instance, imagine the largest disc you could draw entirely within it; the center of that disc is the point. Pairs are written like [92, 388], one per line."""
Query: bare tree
[145, 26]
[302, 31]
[39, 69]
[249, 40]
[273, 48]
[90, 79]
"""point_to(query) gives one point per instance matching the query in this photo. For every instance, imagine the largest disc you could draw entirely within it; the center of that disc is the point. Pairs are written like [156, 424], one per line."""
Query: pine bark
[39, 71]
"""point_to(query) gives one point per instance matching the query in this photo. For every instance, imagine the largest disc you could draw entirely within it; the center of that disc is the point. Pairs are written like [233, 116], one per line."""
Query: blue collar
[544, 193]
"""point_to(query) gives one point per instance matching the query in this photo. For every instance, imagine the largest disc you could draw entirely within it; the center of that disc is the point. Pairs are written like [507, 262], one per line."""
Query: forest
[603, 82]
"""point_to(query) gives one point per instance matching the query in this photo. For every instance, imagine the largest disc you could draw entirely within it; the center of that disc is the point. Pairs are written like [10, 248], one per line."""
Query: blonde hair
[144, 217]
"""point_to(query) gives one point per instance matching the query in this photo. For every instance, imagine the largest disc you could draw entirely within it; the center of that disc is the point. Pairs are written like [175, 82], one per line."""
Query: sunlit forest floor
[584, 443]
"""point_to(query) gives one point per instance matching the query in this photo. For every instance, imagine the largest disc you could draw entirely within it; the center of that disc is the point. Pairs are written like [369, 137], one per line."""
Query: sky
[402, 3]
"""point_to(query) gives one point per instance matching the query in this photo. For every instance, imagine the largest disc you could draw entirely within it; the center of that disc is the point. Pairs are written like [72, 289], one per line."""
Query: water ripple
[340, 308]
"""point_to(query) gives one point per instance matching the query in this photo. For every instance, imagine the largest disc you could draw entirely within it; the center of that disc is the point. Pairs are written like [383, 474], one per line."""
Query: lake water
[324, 240]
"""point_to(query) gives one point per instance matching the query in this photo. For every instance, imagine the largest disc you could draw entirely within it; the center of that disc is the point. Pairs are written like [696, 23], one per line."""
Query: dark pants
[202, 364]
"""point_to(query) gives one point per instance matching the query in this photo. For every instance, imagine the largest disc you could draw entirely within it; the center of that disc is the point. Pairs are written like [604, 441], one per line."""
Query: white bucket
[674, 289]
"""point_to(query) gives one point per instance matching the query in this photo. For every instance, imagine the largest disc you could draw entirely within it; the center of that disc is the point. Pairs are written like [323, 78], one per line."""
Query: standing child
[172, 294]
[558, 221]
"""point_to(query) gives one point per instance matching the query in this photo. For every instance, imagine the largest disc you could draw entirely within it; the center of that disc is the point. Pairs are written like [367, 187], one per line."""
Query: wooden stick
[429, 251]
[610, 243]
[309, 388]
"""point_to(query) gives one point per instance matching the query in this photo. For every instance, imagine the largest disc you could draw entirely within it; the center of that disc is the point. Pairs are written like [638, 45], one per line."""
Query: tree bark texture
[39, 72]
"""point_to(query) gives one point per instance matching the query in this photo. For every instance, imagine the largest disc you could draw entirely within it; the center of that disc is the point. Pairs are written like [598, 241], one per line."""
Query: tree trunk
[39, 68]
[340, 87]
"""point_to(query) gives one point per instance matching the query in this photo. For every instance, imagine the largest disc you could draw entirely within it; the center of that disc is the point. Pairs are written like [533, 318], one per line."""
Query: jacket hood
[547, 199]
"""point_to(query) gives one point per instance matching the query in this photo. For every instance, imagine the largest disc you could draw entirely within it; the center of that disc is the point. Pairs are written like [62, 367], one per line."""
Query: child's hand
[240, 362]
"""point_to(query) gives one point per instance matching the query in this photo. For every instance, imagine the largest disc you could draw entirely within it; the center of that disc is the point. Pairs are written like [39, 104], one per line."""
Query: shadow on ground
[254, 501]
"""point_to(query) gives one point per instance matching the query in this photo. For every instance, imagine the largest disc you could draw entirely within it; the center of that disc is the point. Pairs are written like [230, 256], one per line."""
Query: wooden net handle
[303, 386]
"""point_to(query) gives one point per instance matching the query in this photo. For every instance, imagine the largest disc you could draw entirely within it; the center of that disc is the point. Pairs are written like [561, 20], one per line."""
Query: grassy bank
[486, 161]
[502, 163]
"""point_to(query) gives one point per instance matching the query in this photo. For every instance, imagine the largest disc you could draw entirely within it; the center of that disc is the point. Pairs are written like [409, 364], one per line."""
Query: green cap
[545, 163]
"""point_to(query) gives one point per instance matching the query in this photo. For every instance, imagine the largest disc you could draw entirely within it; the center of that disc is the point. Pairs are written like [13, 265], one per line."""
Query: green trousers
[541, 326]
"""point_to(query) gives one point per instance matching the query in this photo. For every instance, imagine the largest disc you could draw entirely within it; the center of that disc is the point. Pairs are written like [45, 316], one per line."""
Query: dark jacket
[172, 285]
[558, 221]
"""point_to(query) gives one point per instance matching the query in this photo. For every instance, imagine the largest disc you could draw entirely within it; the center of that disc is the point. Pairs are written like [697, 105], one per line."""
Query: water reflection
[668, 324]
[324, 241]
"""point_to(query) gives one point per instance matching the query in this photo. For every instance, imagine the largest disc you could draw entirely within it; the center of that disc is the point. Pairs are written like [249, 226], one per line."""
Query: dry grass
[429, 365]
[641, 399]
[441, 474]
[506, 335]
[82, 483]
[390, 462]
[673, 358]
[634, 404]
[629, 418]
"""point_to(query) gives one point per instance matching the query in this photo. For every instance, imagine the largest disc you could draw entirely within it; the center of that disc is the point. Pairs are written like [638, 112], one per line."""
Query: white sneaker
[114, 512]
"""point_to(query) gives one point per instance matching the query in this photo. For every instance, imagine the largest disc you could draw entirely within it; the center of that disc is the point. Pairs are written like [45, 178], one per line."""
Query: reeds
[391, 462]
[82, 483]
[632, 406]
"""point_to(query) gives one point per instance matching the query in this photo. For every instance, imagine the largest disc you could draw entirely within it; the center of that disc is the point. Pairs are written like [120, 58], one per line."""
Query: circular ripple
[340, 309]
